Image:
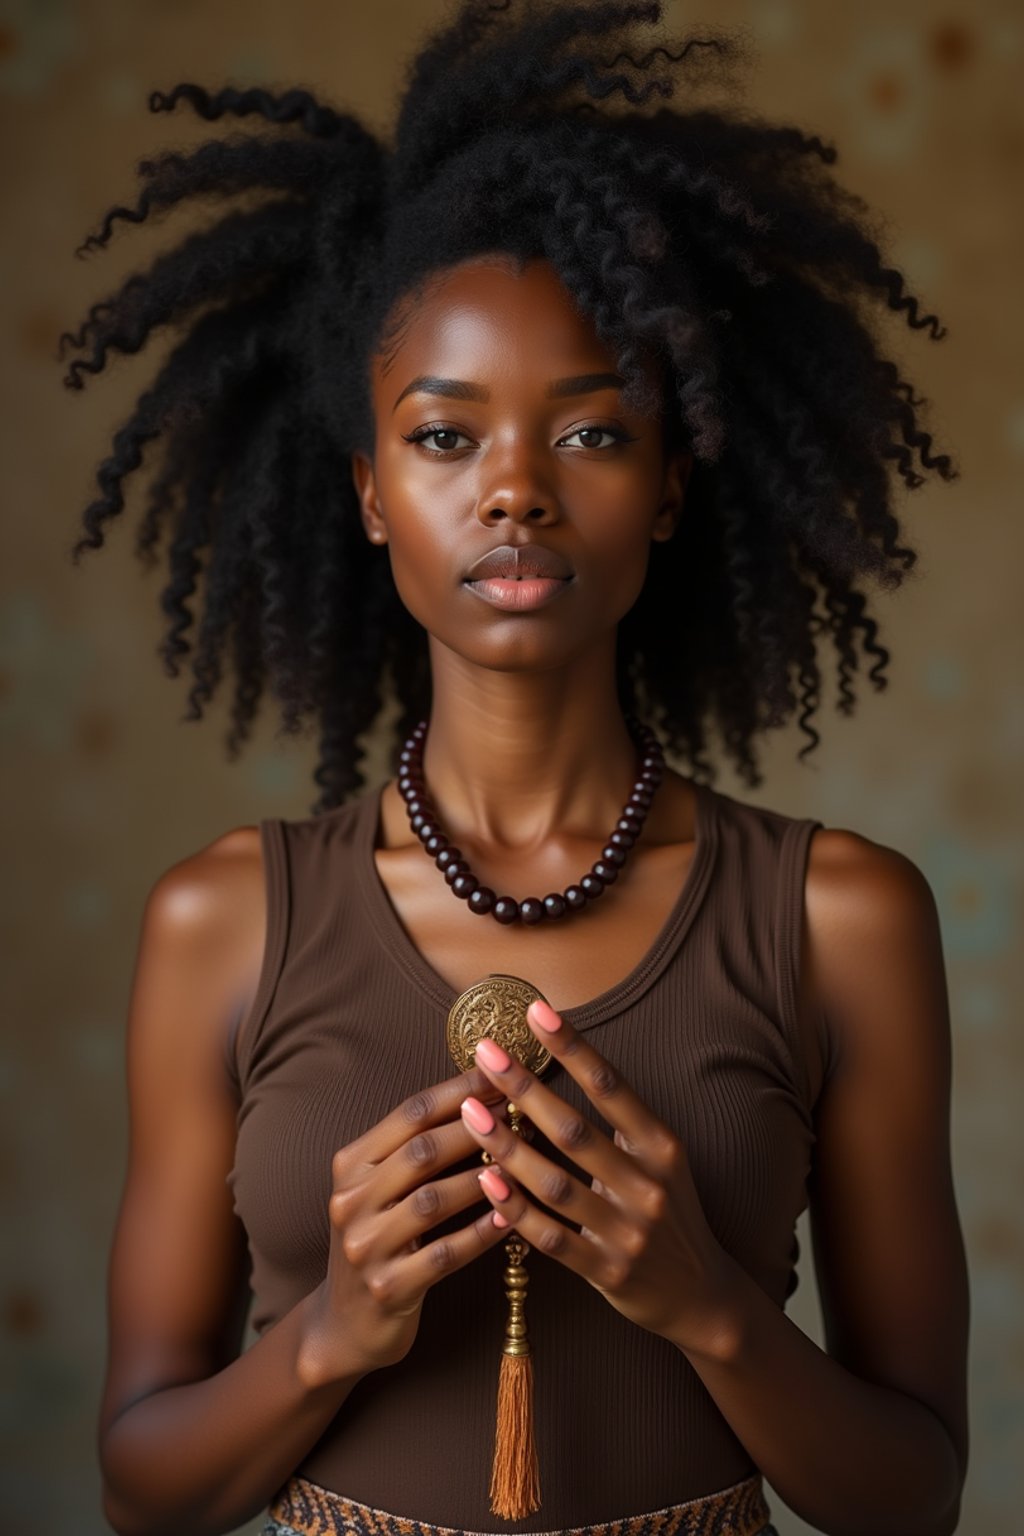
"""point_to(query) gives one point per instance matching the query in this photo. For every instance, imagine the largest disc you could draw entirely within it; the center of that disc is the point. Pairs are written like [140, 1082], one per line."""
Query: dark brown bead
[481, 899]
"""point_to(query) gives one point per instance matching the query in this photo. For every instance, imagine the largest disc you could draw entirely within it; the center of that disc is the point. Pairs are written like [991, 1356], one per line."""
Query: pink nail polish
[478, 1116]
[545, 1015]
[494, 1183]
[498, 1219]
[492, 1055]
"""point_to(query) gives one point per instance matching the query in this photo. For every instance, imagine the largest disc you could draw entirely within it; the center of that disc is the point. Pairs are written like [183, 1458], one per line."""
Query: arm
[192, 1436]
[870, 1437]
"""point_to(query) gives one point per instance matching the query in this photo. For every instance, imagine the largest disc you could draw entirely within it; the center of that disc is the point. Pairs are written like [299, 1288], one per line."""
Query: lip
[516, 562]
[520, 596]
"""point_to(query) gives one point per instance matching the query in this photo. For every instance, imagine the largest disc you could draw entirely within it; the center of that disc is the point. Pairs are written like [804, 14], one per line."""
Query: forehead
[490, 312]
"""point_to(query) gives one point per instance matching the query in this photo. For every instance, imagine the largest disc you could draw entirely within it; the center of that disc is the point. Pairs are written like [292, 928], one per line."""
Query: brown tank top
[349, 1019]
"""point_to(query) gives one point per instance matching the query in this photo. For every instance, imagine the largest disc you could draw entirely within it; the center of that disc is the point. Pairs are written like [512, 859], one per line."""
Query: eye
[616, 434]
[422, 433]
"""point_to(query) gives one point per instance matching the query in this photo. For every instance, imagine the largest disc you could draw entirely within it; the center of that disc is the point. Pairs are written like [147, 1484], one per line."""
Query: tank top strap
[244, 1028]
[312, 884]
[756, 905]
[791, 875]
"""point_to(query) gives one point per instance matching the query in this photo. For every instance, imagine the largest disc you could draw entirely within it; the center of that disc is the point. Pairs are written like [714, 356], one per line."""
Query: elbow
[120, 1509]
[119, 1517]
[125, 1518]
[946, 1523]
[951, 1520]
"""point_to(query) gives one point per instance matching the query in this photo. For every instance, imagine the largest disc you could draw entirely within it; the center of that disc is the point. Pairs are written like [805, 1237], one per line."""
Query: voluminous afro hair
[719, 240]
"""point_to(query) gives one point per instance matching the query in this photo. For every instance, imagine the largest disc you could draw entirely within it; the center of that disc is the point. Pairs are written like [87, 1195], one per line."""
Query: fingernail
[493, 1181]
[544, 1015]
[479, 1118]
[498, 1219]
[492, 1055]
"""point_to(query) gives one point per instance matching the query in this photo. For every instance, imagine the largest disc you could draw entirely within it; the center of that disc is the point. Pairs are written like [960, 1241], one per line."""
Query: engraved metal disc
[496, 1006]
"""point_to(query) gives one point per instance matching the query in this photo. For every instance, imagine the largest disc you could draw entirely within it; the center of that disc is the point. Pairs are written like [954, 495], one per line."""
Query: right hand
[366, 1311]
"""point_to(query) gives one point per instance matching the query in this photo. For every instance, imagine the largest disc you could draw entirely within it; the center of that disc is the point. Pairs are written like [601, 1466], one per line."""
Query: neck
[514, 759]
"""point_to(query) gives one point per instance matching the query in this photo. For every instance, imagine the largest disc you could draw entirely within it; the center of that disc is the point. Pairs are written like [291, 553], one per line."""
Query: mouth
[532, 561]
[519, 593]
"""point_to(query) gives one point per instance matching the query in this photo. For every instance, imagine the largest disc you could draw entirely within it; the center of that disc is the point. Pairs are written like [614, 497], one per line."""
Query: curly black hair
[714, 238]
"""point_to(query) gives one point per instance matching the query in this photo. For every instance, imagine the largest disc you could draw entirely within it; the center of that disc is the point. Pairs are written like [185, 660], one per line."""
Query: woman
[554, 420]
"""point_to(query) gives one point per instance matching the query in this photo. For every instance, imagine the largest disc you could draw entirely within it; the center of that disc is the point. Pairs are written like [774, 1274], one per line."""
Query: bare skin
[528, 761]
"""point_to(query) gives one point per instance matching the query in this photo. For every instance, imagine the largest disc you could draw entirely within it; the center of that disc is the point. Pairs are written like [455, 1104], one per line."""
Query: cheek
[616, 520]
[423, 550]
[420, 567]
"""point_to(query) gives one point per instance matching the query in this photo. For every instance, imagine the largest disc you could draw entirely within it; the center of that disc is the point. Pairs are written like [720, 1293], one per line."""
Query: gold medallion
[496, 1007]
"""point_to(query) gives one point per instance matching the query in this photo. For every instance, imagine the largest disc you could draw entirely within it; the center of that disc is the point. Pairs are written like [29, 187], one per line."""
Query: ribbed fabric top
[349, 1019]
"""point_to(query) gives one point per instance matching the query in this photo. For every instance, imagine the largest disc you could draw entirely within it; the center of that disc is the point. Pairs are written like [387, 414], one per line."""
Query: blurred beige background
[104, 787]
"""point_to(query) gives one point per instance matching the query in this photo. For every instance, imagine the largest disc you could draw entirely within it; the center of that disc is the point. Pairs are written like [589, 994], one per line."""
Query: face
[500, 422]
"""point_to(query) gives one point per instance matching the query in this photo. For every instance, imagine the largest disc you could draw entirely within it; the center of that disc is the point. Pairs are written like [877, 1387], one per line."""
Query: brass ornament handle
[496, 1007]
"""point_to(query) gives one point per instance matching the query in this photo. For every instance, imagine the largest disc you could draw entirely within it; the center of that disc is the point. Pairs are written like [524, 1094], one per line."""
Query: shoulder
[209, 893]
[205, 916]
[863, 896]
[853, 885]
[872, 937]
[849, 872]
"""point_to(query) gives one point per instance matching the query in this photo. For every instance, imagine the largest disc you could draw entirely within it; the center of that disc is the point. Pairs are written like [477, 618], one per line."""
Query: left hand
[645, 1243]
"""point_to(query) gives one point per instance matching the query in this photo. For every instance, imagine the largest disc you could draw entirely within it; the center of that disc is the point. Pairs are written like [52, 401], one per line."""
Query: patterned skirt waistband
[307, 1509]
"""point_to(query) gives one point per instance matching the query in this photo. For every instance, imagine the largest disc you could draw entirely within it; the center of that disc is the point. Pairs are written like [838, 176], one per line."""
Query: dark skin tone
[528, 762]
[521, 699]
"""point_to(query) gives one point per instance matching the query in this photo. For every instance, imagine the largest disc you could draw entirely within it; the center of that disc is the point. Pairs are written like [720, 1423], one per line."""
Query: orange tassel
[515, 1475]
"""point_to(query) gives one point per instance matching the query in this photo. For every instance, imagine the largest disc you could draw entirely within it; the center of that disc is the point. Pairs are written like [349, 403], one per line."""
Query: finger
[410, 1218]
[433, 1106]
[424, 1155]
[564, 1127]
[641, 1135]
[534, 1172]
[586, 1255]
[414, 1273]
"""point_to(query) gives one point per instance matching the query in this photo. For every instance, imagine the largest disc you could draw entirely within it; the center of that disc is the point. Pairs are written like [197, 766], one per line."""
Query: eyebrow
[462, 389]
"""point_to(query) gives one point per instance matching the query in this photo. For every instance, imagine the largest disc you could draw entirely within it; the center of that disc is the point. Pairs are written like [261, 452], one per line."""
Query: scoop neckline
[401, 950]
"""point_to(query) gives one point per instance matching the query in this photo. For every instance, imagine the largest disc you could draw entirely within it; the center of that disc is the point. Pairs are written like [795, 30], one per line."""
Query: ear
[673, 493]
[369, 503]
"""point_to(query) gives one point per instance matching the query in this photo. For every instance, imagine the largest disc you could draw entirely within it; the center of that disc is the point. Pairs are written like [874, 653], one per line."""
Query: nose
[515, 490]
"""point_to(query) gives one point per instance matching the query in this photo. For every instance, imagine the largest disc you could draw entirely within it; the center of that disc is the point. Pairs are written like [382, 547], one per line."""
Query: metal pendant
[496, 1007]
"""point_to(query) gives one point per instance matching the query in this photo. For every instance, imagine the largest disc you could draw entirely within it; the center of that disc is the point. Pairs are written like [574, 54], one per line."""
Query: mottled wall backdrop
[105, 786]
